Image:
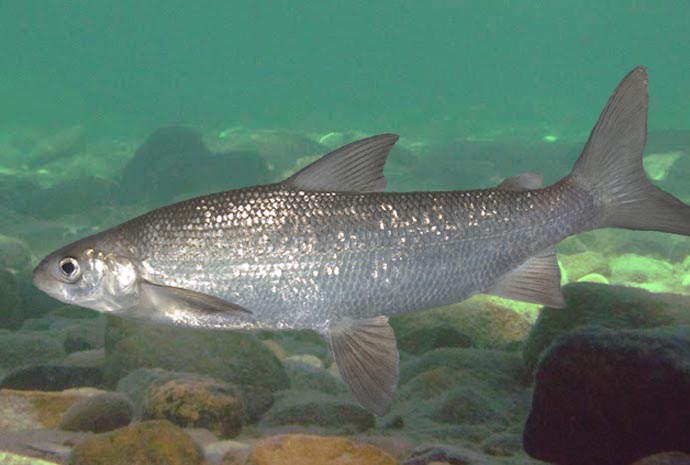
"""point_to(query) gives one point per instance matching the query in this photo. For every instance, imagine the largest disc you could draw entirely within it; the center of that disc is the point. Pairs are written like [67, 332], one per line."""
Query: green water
[439, 67]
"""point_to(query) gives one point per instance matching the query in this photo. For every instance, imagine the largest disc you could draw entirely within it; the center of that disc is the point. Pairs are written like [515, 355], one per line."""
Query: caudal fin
[610, 166]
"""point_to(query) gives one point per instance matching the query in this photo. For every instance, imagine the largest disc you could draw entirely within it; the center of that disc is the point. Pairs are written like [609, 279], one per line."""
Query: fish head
[87, 274]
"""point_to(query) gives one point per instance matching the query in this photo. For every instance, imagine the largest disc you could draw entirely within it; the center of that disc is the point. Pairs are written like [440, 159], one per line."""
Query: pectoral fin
[175, 296]
[367, 358]
[537, 280]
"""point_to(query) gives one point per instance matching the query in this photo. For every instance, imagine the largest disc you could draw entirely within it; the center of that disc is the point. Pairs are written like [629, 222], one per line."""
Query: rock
[503, 445]
[234, 357]
[15, 255]
[611, 397]
[59, 145]
[52, 378]
[641, 271]
[25, 410]
[584, 263]
[483, 321]
[11, 314]
[665, 458]
[315, 450]
[440, 454]
[307, 377]
[614, 307]
[174, 161]
[66, 197]
[99, 413]
[593, 278]
[79, 328]
[276, 348]
[231, 356]
[93, 358]
[282, 149]
[316, 409]
[196, 402]
[150, 442]
[471, 405]
[28, 348]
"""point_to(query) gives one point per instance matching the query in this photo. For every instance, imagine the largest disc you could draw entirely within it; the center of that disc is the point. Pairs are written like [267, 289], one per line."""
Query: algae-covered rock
[640, 271]
[309, 408]
[235, 357]
[150, 442]
[584, 263]
[614, 307]
[315, 450]
[483, 321]
[611, 397]
[98, 413]
[25, 410]
[28, 348]
[307, 377]
[196, 402]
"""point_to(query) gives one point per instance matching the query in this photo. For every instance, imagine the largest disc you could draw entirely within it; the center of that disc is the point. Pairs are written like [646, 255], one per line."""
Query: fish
[328, 249]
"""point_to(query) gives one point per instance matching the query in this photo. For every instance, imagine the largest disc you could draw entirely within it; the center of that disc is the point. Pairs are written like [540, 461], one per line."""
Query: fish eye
[69, 267]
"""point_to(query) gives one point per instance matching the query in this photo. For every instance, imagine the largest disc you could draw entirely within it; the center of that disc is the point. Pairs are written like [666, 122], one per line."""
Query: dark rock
[315, 409]
[174, 161]
[51, 378]
[150, 442]
[235, 357]
[611, 397]
[196, 402]
[99, 413]
[614, 307]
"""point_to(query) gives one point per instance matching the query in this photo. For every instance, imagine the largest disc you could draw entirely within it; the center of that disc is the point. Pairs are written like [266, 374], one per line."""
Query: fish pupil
[68, 267]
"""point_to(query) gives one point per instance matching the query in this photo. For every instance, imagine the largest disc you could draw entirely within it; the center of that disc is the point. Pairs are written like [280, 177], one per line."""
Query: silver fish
[327, 249]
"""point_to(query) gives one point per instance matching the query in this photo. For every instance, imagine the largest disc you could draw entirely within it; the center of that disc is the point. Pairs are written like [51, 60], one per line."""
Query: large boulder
[614, 307]
[611, 397]
[235, 357]
[484, 321]
[174, 161]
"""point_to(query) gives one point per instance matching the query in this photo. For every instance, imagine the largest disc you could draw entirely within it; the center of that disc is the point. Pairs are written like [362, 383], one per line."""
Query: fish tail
[610, 167]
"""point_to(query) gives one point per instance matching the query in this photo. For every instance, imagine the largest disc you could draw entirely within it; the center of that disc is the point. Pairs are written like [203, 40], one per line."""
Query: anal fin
[537, 280]
[367, 358]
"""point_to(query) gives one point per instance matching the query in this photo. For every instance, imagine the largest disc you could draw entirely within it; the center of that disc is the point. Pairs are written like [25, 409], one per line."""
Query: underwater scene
[363, 232]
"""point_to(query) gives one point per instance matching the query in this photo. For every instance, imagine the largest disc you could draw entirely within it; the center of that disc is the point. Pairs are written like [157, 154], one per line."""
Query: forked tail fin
[610, 166]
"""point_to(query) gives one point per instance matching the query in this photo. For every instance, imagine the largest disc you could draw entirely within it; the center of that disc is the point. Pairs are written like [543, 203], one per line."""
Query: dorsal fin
[355, 167]
[522, 182]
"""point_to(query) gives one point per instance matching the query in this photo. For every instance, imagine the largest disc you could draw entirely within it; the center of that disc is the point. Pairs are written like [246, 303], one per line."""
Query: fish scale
[293, 257]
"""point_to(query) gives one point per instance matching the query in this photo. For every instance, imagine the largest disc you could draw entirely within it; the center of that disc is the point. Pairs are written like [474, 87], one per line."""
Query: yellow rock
[299, 449]
[23, 410]
[149, 442]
